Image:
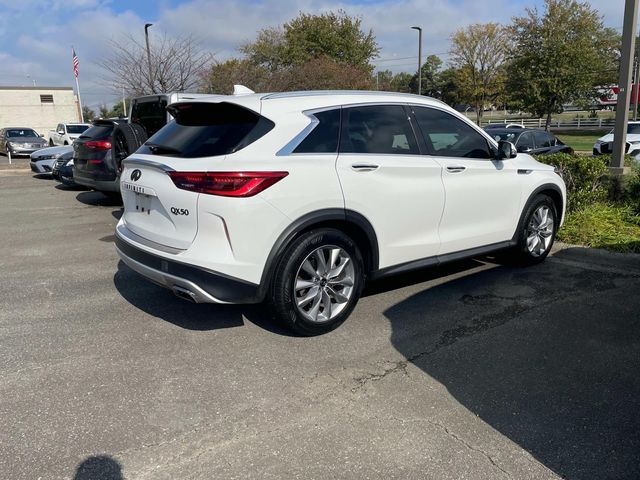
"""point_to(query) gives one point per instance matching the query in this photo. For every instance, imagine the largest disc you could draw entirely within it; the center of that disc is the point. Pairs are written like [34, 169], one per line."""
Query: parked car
[99, 151]
[150, 111]
[43, 160]
[17, 141]
[528, 140]
[605, 143]
[300, 197]
[63, 169]
[66, 133]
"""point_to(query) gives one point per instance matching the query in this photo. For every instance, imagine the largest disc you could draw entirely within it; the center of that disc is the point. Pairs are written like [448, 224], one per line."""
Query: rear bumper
[100, 185]
[187, 281]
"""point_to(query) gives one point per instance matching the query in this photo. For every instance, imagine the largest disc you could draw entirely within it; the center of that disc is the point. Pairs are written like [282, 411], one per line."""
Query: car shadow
[159, 302]
[548, 356]
[42, 176]
[98, 199]
[102, 467]
[117, 214]
[71, 188]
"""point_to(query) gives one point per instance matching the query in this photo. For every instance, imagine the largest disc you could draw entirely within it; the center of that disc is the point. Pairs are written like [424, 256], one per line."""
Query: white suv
[298, 198]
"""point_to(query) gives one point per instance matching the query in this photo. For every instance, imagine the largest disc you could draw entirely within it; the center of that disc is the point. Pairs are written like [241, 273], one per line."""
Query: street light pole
[624, 82]
[146, 37]
[419, 59]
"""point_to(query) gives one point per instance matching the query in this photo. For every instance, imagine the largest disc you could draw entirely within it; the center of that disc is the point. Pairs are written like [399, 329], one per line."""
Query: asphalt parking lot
[475, 371]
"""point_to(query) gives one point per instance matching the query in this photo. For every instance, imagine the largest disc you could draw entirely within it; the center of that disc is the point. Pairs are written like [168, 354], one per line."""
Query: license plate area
[143, 203]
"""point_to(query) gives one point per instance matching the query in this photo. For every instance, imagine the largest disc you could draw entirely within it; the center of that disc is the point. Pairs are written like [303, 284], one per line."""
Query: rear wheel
[318, 282]
[538, 231]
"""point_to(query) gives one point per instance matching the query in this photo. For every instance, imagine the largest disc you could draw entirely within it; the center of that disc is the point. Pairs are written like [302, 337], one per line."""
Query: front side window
[449, 136]
[542, 140]
[324, 137]
[525, 142]
[381, 129]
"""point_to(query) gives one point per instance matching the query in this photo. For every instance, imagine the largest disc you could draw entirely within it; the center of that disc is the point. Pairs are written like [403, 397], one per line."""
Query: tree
[478, 52]
[401, 82]
[451, 87]
[430, 77]
[383, 79]
[559, 57]
[118, 109]
[104, 111]
[176, 65]
[88, 114]
[324, 51]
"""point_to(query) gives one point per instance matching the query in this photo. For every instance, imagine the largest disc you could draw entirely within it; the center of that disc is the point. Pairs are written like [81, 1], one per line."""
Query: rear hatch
[161, 182]
[92, 152]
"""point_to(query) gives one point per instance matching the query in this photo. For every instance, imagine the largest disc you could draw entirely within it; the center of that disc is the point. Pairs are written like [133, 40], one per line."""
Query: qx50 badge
[179, 211]
[135, 175]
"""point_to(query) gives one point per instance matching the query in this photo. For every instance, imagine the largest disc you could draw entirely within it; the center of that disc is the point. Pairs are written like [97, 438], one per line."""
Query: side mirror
[506, 150]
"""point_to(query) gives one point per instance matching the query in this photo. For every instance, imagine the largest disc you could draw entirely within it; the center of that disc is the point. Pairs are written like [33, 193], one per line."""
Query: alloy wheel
[540, 231]
[324, 283]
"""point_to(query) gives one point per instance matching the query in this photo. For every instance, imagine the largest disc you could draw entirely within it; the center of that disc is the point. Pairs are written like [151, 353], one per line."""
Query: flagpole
[78, 91]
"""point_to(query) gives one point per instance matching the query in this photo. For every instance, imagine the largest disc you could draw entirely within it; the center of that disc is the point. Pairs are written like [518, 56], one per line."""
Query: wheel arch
[351, 223]
[552, 191]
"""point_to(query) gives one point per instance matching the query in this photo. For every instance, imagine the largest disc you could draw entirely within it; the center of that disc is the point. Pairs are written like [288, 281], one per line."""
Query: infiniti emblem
[135, 175]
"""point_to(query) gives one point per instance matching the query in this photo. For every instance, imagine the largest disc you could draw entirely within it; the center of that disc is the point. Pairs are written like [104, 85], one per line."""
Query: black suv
[529, 140]
[98, 153]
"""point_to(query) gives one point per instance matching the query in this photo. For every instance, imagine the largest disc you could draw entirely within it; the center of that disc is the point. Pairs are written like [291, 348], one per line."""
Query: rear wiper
[159, 149]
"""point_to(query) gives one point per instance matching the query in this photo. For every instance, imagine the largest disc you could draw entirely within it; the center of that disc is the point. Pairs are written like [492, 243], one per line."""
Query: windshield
[504, 136]
[75, 129]
[21, 133]
[633, 128]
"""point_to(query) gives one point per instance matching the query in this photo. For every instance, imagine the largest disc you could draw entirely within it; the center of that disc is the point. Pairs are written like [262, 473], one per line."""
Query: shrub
[585, 177]
[631, 192]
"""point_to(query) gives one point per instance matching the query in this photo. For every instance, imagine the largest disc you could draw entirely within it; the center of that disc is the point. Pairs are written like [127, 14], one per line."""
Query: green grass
[601, 225]
[580, 142]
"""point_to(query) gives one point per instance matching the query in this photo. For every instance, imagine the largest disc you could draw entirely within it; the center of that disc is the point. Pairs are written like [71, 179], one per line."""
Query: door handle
[364, 167]
[456, 168]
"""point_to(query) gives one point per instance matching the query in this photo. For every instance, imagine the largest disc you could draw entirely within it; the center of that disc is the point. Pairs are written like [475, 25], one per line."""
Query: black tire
[522, 253]
[127, 138]
[283, 290]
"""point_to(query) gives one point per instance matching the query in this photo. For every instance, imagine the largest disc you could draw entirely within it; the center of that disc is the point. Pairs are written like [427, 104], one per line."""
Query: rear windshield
[207, 130]
[76, 128]
[98, 132]
[151, 113]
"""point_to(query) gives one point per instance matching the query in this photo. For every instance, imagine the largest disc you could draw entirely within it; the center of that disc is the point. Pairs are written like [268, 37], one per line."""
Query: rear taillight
[226, 184]
[96, 161]
[98, 145]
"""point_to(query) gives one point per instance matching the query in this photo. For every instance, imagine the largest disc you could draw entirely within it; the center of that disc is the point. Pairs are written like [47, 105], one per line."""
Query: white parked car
[299, 198]
[66, 133]
[605, 143]
[43, 160]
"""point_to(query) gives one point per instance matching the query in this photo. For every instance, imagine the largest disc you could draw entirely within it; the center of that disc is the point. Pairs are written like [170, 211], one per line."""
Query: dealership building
[40, 108]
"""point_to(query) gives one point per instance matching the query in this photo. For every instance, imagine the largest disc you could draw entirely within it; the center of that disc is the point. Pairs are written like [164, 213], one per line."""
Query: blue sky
[42, 52]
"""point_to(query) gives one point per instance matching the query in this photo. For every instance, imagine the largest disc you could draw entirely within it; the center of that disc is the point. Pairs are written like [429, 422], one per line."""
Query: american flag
[75, 63]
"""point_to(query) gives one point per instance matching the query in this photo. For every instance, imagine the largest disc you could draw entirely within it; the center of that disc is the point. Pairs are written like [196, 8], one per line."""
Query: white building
[40, 108]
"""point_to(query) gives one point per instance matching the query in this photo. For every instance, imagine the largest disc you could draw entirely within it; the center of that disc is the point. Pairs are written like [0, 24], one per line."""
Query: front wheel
[538, 231]
[318, 282]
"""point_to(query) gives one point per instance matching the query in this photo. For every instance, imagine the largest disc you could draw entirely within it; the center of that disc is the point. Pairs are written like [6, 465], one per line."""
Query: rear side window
[449, 136]
[324, 137]
[207, 130]
[377, 129]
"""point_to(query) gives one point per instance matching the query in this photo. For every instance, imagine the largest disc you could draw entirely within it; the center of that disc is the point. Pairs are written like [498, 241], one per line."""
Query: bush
[585, 177]
[631, 192]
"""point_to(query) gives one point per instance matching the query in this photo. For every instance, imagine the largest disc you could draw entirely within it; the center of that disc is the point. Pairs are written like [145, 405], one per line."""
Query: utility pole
[624, 97]
[636, 82]
[419, 59]
[124, 105]
[146, 37]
